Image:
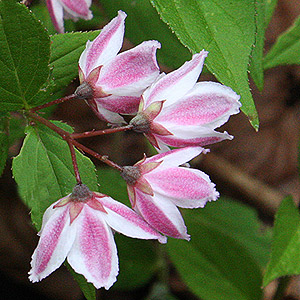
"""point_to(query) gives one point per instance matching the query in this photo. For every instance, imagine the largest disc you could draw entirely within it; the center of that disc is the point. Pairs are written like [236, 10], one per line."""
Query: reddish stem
[74, 162]
[68, 138]
[57, 101]
[100, 132]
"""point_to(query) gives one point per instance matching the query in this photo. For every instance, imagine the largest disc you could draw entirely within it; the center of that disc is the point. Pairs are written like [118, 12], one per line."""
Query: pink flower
[113, 83]
[157, 185]
[179, 112]
[79, 227]
[68, 9]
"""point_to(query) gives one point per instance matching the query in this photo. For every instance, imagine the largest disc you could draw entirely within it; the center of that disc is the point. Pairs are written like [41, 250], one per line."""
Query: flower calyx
[81, 193]
[131, 174]
[84, 91]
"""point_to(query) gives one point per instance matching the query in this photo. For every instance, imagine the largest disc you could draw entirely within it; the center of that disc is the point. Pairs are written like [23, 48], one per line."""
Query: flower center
[131, 174]
[141, 123]
[81, 193]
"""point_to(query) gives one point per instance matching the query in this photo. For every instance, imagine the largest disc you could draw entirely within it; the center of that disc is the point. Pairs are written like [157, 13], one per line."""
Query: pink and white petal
[192, 136]
[162, 215]
[176, 84]
[55, 243]
[185, 187]
[94, 253]
[104, 47]
[77, 9]
[209, 104]
[120, 104]
[173, 158]
[106, 115]
[130, 72]
[56, 12]
[124, 220]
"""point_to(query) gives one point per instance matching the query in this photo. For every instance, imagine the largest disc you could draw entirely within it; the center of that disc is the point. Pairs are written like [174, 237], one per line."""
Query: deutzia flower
[79, 227]
[113, 83]
[68, 9]
[176, 111]
[157, 185]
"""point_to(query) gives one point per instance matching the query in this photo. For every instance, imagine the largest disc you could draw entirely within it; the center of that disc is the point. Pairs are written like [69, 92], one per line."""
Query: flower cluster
[171, 110]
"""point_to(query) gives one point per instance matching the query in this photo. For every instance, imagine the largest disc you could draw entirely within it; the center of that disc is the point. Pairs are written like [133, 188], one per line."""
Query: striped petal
[126, 221]
[130, 72]
[162, 215]
[105, 47]
[176, 84]
[55, 242]
[94, 253]
[56, 12]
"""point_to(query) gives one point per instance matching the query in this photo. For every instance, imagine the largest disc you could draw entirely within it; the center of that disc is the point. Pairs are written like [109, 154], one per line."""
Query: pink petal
[185, 187]
[120, 104]
[94, 253]
[104, 47]
[55, 242]
[79, 8]
[126, 221]
[176, 84]
[162, 215]
[106, 115]
[209, 104]
[131, 72]
[174, 158]
[57, 15]
[192, 136]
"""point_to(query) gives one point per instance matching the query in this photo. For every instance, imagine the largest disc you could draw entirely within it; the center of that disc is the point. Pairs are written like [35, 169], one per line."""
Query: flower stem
[74, 162]
[71, 142]
[100, 132]
[57, 101]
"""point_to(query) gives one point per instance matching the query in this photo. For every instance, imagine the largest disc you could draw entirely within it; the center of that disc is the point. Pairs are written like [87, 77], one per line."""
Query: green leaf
[286, 49]
[286, 243]
[43, 170]
[65, 52]
[256, 59]
[24, 57]
[112, 184]
[4, 143]
[224, 251]
[226, 29]
[143, 23]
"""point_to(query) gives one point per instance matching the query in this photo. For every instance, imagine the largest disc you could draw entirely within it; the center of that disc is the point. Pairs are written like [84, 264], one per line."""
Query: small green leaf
[65, 52]
[221, 252]
[286, 49]
[270, 6]
[286, 243]
[43, 170]
[226, 29]
[24, 57]
[143, 23]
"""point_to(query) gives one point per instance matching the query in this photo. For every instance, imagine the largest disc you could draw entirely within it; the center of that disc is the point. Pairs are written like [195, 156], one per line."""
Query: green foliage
[143, 23]
[286, 243]
[43, 170]
[226, 29]
[24, 57]
[65, 52]
[286, 49]
[224, 252]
